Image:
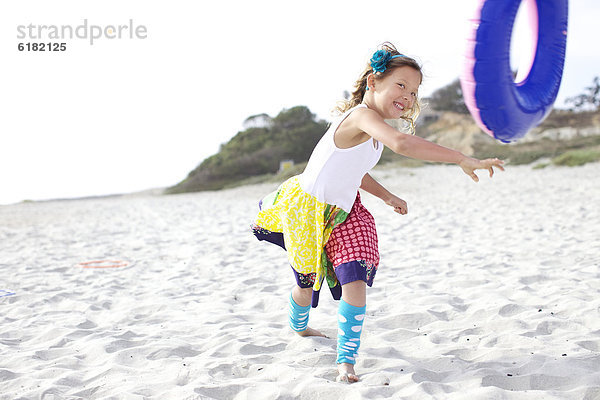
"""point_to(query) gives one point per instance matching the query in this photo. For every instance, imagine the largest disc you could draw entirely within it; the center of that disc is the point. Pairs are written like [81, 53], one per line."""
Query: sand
[485, 291]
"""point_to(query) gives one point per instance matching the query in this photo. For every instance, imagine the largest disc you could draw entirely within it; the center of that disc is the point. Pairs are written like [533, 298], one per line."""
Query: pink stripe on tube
[467, 80]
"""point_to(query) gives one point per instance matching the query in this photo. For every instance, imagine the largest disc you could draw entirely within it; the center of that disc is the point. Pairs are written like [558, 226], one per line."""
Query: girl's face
[395, 94]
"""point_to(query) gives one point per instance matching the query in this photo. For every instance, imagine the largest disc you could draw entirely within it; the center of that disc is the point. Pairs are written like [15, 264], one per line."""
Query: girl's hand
[469, 165]
[399, 205]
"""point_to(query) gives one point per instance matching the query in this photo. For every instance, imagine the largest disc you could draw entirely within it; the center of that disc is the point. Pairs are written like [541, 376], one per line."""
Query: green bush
[541, 165]
[574, 158]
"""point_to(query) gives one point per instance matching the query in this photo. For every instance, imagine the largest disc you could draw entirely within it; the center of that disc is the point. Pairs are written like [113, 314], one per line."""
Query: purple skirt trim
[308, 280]
[347, 272]
[355, 271]
[272, 237]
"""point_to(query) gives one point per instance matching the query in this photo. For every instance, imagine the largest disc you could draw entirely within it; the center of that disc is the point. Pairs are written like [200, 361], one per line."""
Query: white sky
[127, 115]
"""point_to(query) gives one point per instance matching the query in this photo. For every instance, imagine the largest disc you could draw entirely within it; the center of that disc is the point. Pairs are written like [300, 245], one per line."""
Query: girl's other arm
[370, 185]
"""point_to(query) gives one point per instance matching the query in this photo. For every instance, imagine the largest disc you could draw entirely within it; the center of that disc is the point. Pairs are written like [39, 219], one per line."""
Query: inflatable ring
[503, 108]
[103, 264]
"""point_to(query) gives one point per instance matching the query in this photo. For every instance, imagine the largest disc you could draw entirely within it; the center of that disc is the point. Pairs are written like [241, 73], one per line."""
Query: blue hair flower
[380, 59]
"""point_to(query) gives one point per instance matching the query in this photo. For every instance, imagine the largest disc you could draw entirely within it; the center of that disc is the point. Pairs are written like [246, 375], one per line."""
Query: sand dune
[485, 291]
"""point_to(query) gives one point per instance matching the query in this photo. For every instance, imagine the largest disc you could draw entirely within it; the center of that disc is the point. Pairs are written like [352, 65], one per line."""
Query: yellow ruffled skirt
[306, 225]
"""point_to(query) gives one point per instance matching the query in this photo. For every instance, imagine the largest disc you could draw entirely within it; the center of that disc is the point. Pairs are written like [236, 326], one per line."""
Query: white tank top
[333, 175]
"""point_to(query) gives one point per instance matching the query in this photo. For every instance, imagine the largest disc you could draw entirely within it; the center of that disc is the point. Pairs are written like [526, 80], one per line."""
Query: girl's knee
[355, 293]
[302, 296]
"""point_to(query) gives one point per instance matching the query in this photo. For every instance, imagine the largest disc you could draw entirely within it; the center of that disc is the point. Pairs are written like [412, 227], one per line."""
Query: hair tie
[381, 58]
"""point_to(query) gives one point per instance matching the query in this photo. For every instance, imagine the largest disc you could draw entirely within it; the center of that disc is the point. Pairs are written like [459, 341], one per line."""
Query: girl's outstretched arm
[375, 188]
[416, 147]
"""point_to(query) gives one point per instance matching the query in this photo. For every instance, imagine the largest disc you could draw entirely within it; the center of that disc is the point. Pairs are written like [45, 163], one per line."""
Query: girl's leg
[351, 314]
[300, 301]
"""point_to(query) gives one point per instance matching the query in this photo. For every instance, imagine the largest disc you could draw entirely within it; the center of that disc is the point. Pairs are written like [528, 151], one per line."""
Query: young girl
[318, 216]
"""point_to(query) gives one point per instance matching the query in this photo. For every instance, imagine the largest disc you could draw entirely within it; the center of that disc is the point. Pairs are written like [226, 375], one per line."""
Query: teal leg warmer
[350, 322]
[298, 316]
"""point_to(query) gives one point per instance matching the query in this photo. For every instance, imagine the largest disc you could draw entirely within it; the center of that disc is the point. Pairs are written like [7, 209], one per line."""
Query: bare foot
[347, 373]
[310, 332]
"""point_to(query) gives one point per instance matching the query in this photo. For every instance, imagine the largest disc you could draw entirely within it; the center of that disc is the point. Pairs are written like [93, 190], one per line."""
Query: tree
[589, 100]
[257, 121]
[449, 98]
[257, 150]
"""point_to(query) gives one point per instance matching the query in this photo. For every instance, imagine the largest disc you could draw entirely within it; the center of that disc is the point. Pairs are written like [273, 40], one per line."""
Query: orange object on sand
[103, 264]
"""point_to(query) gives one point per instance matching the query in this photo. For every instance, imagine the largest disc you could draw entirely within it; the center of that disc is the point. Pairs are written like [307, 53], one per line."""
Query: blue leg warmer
[298, 316]
[350, 322]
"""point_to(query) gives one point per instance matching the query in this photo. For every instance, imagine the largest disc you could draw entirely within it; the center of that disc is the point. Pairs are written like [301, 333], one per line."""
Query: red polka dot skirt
[354, 242]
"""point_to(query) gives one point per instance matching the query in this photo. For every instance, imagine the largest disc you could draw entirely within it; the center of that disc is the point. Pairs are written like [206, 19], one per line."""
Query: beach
[485, 290]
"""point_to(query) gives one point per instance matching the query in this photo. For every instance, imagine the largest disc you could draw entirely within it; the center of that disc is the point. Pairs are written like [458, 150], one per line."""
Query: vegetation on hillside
[589, 99]
[573, 158]
[448, 98]
[528, 152]
[258, 150]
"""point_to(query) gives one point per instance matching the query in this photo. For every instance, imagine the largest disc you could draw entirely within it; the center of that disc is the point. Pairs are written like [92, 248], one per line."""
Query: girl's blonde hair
[361, 84]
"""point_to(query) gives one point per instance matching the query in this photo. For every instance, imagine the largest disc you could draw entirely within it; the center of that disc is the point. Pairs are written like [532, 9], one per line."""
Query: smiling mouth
[399, 106]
